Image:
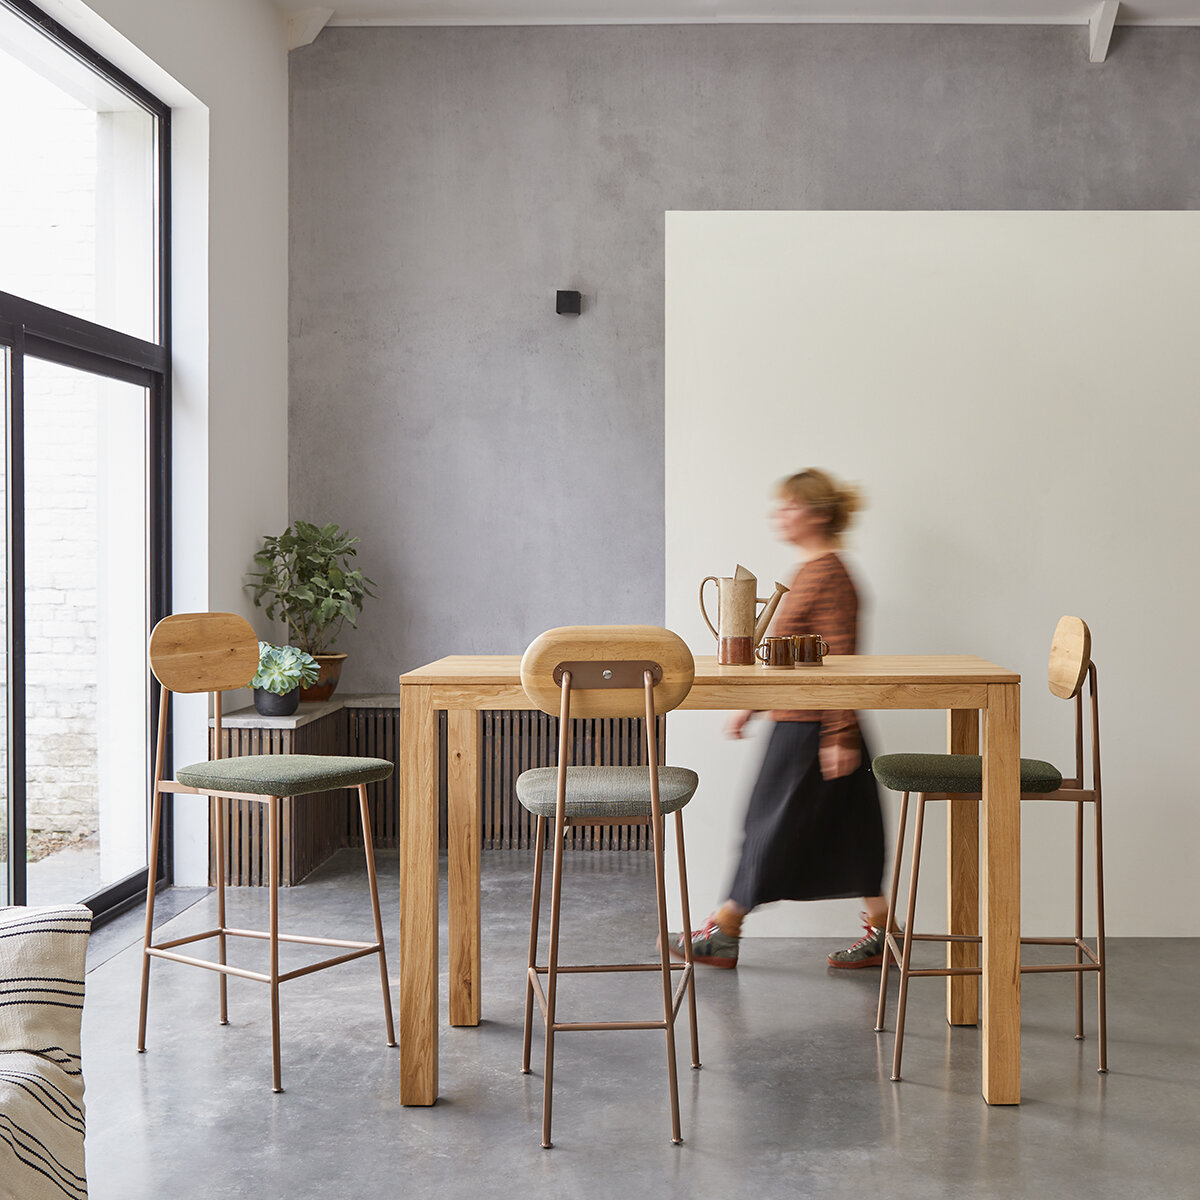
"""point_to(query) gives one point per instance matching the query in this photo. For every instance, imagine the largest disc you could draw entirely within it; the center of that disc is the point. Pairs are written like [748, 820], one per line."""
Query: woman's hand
[735, 727]
[837, 760]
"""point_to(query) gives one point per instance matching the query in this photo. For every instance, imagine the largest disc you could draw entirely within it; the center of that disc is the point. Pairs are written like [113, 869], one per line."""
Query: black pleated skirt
[806, 837]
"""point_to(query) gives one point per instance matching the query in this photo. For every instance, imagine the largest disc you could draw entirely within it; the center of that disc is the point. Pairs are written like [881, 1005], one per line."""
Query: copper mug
[775, 652]
[808, 649]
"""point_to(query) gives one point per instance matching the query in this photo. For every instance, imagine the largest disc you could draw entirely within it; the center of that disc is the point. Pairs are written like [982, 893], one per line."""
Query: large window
[84, 335]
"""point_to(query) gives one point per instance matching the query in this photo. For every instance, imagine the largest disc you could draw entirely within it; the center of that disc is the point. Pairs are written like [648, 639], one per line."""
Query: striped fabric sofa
[42, 958]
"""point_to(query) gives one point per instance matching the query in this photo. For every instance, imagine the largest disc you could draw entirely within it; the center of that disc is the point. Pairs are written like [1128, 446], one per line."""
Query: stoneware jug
[740, 624]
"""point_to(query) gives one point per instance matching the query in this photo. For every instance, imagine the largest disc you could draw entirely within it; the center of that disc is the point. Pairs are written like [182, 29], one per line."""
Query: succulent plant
[284, 668]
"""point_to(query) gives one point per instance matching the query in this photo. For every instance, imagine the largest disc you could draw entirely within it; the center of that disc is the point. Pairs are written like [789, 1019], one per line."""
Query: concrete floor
[793, 1100]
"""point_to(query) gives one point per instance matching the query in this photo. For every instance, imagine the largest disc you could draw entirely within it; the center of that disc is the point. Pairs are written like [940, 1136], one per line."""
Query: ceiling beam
[1100, 27]
[303, 26]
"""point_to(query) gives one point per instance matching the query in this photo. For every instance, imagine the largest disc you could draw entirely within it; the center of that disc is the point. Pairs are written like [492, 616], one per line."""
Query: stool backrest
[587, 652]
[203, 652]
[1070, 657]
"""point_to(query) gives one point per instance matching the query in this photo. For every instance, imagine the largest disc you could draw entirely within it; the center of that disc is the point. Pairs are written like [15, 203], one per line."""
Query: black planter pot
[268, 704]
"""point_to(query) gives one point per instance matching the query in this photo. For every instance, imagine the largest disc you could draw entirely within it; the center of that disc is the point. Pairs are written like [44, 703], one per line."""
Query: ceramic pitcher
[740, 624]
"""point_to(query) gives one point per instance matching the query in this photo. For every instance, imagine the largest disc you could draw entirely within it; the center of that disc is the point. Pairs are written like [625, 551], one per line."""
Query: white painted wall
[222, 66]
[1016, 392]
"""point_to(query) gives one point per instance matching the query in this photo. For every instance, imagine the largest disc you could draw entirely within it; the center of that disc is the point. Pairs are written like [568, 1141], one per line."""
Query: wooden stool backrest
[203, 652]
[1070, 657]
[587, 651]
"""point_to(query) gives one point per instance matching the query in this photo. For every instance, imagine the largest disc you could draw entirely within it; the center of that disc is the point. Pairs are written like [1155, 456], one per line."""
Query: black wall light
[569, 303]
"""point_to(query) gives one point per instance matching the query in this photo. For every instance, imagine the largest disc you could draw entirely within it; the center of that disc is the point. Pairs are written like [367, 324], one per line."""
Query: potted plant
[305, 577]
[282, 671]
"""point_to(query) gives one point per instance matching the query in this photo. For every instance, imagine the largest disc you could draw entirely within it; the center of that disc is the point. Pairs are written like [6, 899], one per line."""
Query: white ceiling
[631, 12]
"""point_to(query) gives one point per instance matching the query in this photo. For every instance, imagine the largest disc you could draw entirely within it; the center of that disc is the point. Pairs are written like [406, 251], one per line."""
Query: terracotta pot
[327, 681]
[269, 704]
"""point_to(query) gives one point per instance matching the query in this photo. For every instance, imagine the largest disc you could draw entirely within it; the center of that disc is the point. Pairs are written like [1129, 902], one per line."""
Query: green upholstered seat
[283, 774]
[605, 791]
[955, 773]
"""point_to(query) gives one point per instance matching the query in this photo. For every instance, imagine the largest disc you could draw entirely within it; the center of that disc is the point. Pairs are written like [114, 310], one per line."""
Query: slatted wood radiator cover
[313, 827]
[515, 741]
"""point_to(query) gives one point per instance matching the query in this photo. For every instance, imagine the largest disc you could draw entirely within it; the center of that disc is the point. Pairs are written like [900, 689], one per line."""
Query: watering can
[740, 625]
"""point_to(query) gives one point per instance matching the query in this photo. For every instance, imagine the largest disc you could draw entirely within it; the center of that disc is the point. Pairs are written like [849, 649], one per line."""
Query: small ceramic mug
[775, 652]
[808, 649]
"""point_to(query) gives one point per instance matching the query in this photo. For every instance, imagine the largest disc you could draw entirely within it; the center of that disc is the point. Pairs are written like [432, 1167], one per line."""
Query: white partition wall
[1017, 393]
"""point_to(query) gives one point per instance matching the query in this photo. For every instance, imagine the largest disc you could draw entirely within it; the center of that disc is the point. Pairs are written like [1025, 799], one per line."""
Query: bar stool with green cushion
[959, 778]
[218, 652]
[607, 671]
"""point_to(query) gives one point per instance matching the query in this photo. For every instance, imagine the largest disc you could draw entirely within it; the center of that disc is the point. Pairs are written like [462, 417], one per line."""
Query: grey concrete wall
[504, 465]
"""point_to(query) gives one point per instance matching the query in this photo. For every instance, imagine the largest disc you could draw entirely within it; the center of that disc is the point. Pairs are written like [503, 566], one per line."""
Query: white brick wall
[60, 565]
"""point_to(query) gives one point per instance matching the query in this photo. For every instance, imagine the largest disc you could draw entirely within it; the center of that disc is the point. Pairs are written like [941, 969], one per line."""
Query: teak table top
[841, 681]
[844, 668]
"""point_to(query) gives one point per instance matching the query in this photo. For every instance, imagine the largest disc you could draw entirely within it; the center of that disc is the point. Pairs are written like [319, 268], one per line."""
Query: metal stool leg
[891, 912]
[659, 829]
[906, 957]
[373, 884]
[552, 985]
[223, 989]
[1078, 918]
[151, 881]
[534, 915]
[687, 940]
[1101, 954]
[273, 833]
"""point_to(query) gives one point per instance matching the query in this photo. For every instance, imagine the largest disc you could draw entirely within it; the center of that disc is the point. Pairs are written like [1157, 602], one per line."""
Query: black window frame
[35, 330]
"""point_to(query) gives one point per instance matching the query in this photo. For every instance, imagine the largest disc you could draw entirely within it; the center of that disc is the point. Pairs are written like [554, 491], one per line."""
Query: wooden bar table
[968, 688]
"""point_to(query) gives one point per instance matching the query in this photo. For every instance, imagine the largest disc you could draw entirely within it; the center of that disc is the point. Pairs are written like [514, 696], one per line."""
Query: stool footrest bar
[329, 962]
[592, 969]
[592, 1026]
[302, 939]
[220, 968]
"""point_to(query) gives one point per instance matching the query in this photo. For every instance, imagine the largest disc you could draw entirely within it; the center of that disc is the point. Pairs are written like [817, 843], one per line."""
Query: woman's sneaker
[710, 946]
[868, 951]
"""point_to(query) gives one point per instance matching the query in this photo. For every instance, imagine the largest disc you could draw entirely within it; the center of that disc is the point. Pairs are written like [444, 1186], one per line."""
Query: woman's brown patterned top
[822, 600]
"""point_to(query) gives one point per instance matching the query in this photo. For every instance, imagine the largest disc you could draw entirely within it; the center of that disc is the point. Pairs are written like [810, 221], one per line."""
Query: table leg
[1001, 892]
[418, 897]
[463, 829]
[962, 877]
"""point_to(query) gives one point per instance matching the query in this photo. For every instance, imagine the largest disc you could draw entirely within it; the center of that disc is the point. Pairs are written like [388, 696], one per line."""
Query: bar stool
[607, 671]
[958, 778]
[217, 652]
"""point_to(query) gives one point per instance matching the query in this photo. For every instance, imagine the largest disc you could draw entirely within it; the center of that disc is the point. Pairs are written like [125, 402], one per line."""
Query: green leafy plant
[305, 578]
[283, 668]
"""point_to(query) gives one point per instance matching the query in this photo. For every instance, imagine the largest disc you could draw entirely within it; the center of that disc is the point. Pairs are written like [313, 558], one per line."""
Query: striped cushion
[955, 773]
[42, 957]
[283, 774]
[605, 791]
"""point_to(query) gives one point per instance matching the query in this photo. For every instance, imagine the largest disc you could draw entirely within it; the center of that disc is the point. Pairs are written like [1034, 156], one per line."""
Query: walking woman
[814, 830]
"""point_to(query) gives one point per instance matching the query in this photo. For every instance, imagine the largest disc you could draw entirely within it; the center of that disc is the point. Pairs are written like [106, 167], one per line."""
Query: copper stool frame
[547, 998]
[222, 932]
[1087, 958]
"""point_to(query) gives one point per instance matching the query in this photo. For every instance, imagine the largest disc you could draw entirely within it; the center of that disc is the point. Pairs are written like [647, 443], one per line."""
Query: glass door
[85, 338]
[7, 802]
[86, 613]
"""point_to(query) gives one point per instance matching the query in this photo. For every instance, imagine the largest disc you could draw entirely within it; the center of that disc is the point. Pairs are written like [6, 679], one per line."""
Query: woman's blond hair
[823, 494]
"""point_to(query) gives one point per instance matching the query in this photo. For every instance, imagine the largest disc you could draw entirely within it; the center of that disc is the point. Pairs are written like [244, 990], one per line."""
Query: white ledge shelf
[306, 714]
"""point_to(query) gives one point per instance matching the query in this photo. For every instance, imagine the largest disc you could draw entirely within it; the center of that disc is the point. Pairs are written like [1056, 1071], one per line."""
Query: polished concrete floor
[793, 1100]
